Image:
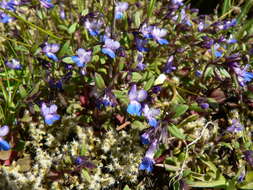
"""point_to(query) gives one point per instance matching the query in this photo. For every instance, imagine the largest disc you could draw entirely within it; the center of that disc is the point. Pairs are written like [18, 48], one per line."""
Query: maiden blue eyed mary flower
[150, 114]
[50, 50]
[4, 18]
[158, 34]
[110, 47]
[120, 8]
[47, 4]
[146, 30]
[49, 113]
[136, 96]
[93, 26]
[148, 160]
[13, 64]
[140, 44]
[82, 58]
[4, 145]
[235, 127]
[147, 137]
[169, 67]
[140, 65]
[242, 75]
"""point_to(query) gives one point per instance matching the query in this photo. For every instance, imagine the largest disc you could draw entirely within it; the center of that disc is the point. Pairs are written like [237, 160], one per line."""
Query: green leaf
[221, 182]
[149, 84]
[86, 175]
[72, 28]
[138, 125]
[22, 91]
[179, 109]
[136, 77]
[248, 186]
[65, 50]
[67, 60]
[174, 131]
[160, 80]
[190, 118]
[100, 83]
[126, 188]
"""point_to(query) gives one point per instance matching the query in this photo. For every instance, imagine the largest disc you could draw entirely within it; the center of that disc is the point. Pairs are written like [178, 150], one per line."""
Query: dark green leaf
[174, 131]
[100, 83]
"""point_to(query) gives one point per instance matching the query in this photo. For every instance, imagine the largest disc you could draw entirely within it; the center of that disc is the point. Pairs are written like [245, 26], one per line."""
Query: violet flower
[140, 44]
[93, 26]
[148, 160]
[4, 18]
[146, 30]
[13, 64]
[169, 65]
[235, 127]
[82, 58]
[136, 96]
[150, 114]
[110, 47]
[120, 8]
[140, 65]
[47, 4]
[50, 50]
[158, 34]
[147, 136]
[242, 75]
[49, 113]
[4, 145]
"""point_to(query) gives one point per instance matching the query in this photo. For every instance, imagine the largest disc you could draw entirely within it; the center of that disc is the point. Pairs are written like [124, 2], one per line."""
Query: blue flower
[147, 164]
[242, 75]
[169, 65]
[140, 44]
[136, 96]
[119, 9]
[4, 18]
[217, 51]
[150, 114]
[140, 65]
[235, 127]
[146, 30]
[4, 145]
[82, 58]
[13, 64]
[110, 47]
[50, 50]
[93, 26]
[158, 34]
[47, 4]
[148, 160]
[134, 108]
[49, 113]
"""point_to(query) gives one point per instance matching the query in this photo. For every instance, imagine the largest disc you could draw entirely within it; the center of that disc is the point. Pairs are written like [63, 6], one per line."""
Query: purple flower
[4, 18]
[235, 127]
[158, 34]
[62, 14]
[9, 5]
[198, 73]
[248, 154]
[147, 136]
[217, 51]
[136, 96]
[82, 161]
[93, 26]
[148, 160]
[49, 113]
[140, 65]
[50, 50]
[140, 44]
[108, 99]
[169, 65]
[47, 4]
[207, 42]
[146, 30]
[120, 8]
[82, 58]
[204, 105]
[4, 145]
[229, 24]
[13, 64]
[242, 75]
[150, 114]
[177, 2]
[110, 47]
